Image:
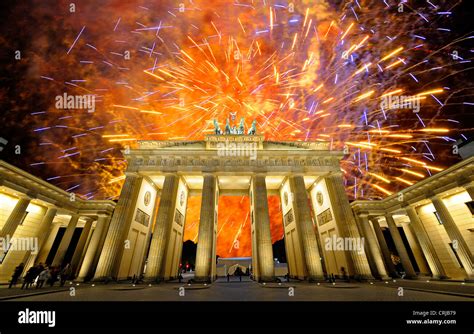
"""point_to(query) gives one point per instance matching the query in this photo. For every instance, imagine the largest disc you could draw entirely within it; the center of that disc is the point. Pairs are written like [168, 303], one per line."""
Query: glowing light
[380, 177]
[405, 181]
[391, 54]
[439, 130]
[412, 172]
[385, 191]
[364, 96]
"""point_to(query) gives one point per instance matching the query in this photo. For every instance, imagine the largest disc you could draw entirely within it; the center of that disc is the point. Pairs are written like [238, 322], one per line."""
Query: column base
[363, 277]
[149, 280]
[202, 279]
[267, 279]
[103, 279]
[469, 279]
[411, 277]
[316, 279]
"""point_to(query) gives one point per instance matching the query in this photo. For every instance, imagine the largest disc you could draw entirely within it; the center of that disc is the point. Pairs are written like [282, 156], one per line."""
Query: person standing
[29, 277]
[65, 273]
[16, 274]
[43, 276]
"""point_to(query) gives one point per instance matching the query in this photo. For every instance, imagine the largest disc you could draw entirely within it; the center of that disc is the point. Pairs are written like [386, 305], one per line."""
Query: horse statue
[228, 129]
[241, 129]
[217, 129]
[253, 128]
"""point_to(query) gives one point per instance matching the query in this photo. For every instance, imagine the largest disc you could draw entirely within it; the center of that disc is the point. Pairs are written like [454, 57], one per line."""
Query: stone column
[262, 229]
[163, 223]
[76, 258]
[94, 247]
[470, 189]
[416, 250]
[426, 246]
[14, 219]
[120, 224]
[305, 228]
[48, 243]
[384, 248]
[346, 224]
[41, 236]
[400, 246]
[65, 241]
[459, 244]
[372, 247]
[204, 253]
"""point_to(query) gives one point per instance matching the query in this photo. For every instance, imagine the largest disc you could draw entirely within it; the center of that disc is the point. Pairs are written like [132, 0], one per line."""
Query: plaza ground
[248, 290]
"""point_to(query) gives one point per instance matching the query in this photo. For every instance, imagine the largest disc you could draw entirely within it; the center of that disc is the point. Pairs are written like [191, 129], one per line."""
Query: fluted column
[65, 241]
[400, 246]
[163, 223]
[41, 235]
[426, 246]
[372, 247]
[204, 253]
[262, 229]
[76, 258]
[346, 223]
[459, 244]
[118, 230]
[305, 228]
[94, 247]
[384, 248]
[14, 219]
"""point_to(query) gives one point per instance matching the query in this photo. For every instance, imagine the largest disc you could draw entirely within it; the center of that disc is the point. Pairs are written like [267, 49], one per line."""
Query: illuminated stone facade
[142, 234]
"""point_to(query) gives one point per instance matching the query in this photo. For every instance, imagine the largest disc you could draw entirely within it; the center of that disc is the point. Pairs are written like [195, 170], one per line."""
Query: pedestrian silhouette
[44, 276]
[16, 274]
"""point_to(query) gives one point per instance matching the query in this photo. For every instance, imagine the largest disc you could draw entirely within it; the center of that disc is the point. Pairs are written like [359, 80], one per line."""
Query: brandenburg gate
[147, 227]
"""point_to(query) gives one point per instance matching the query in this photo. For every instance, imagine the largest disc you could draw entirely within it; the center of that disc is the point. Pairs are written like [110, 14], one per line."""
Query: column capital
[374, 218]
[362, 214]
[334, 174]
[431, 195]
[88, 218]
[296, 174]
[388, 214]
[467, 185]
[28, 195]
